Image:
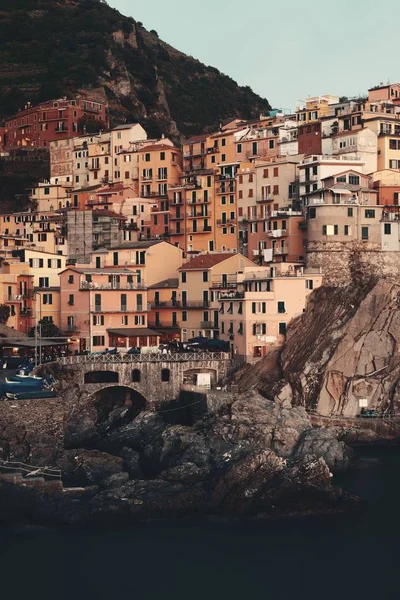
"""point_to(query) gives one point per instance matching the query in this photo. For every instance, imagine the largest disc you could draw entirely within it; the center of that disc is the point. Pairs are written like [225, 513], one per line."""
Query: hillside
[52, 49]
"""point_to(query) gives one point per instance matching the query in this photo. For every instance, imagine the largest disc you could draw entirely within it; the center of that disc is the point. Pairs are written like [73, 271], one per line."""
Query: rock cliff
[254, 457]
[343, 349]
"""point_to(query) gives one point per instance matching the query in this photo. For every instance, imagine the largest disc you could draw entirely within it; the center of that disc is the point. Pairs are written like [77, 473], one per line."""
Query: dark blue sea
[347, 557]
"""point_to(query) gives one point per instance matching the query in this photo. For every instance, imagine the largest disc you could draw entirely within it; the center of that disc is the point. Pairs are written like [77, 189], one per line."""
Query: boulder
[323, 443]
[87, 467]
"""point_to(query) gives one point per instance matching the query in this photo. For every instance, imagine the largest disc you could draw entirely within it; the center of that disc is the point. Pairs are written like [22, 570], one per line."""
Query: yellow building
[200, 280]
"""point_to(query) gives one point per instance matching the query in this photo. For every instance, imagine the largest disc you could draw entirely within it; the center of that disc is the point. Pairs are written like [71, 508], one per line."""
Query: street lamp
[38, 358]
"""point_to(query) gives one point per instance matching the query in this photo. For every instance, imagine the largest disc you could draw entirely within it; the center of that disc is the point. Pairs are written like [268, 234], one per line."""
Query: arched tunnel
[109, 399]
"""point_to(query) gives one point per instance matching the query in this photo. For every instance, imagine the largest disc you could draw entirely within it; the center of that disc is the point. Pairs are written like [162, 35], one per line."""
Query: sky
[284, 50]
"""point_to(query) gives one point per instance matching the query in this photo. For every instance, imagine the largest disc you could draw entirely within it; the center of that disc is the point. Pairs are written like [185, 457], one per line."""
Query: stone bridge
[153, 378]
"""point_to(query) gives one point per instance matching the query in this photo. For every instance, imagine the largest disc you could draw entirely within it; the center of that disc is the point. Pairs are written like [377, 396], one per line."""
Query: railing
[195, 304]
[280, 250]
[87, 285]
[208, 325]
[166, 304]
[29, 470]
[143, 358]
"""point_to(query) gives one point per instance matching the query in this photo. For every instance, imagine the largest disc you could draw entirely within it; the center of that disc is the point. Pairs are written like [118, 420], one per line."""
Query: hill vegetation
[57, 48]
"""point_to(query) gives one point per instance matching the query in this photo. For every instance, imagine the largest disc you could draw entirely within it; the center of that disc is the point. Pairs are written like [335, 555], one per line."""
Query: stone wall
[342, 263]
[150, 386]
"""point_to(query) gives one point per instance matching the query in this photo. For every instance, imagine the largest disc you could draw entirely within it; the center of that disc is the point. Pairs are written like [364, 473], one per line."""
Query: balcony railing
[166, 304]
[208, 325]
[72, 329]
[277, 233]
[280, 251]
[205, 229]
[89, 285]
[195, 304]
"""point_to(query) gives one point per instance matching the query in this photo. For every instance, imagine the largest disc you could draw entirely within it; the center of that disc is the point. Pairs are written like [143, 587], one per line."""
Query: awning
[133, 332]
[343, 191]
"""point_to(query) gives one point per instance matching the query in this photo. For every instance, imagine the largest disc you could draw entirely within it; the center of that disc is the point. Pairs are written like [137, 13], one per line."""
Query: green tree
[4, 313]
[46, 330]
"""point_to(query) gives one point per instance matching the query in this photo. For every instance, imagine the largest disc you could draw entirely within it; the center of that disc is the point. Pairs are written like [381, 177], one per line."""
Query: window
[183, 277]
[184, 315]
[354, 180]
[309, 284]
[336, 230]
[115, 259]
[239, 148]
[124, 319]
[223, 157]
[136, 375]
[223, 142]
[276, 171]
[165, 375]
[349, 212]
[98, 340]
[276, 189]
[205, 276]
[312, 213]
[364, 233]
[271, 144]
[281, 307]
[282, 328]
[347, 230]
[388, 229]
[71, 300]
[43, 282]
[147, 157]
[162, 155]
[369, 214]
[324, 230]
[71, 279]
[47, 298]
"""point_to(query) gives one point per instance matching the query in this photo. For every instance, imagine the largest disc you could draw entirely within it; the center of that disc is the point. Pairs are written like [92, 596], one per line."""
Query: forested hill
[52, 49]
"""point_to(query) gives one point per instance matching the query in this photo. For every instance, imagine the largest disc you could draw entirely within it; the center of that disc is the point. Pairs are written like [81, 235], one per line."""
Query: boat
[23, 377]
[12, 385]
[39, 394]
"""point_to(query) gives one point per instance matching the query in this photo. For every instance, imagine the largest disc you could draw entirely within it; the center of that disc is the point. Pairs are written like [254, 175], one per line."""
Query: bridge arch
[101, 376]
[106, 400]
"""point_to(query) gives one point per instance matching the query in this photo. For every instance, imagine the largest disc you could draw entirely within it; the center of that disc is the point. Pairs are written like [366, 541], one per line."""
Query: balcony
[176, 232]
[89, 285]
[263, 200]
[61, 130]
[94, 167]
[166, 304]
[205, 229]
[277, 233]
[233, 295]
[14, 298]
[230, 283]
[207, 325]
[198, 202]
[147, 178]
[176, 217]
[195, 304]
[213, 150]
[191, 215]
[25, 312]
[226, 221]
[72, 328]
[280, 251]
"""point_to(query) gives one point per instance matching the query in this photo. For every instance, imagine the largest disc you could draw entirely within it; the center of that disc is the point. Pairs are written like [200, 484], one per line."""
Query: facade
[200, 279]
[259, 305]
[38, 126]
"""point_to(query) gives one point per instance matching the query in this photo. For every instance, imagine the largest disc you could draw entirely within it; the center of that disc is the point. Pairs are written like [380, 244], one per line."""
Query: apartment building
[45, 268]
[37, 126]
[387, 184]
[260, 303]
[106, 304]
[200, 279]
[308, 119]
[16, 293]
[278, 237]
[47, 197]
[165, 304]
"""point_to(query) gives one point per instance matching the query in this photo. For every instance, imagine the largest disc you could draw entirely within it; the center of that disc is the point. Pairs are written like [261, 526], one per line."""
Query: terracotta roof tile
[206, 261]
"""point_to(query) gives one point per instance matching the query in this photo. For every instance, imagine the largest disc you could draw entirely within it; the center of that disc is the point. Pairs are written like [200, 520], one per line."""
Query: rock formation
[343, 349]
[254, 457]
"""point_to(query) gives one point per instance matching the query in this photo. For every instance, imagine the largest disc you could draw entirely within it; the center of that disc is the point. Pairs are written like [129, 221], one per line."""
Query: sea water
[353, 556]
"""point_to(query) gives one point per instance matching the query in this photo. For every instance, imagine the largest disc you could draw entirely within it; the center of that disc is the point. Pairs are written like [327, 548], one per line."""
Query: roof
[108, 213]
[125, 126]
[30, 342]
[132, 332]
[104, 271]
[197, 138]
[138, 245]
[166, 283]
[159, 147]
[206, 261]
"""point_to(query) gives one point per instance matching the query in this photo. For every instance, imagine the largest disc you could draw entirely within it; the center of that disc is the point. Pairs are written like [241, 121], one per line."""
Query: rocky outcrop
[341, 354]
[253, 457]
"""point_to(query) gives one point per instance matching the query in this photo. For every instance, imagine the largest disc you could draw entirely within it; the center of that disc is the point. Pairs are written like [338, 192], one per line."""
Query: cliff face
[344, 348]
[51, 49]
[253, 457]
